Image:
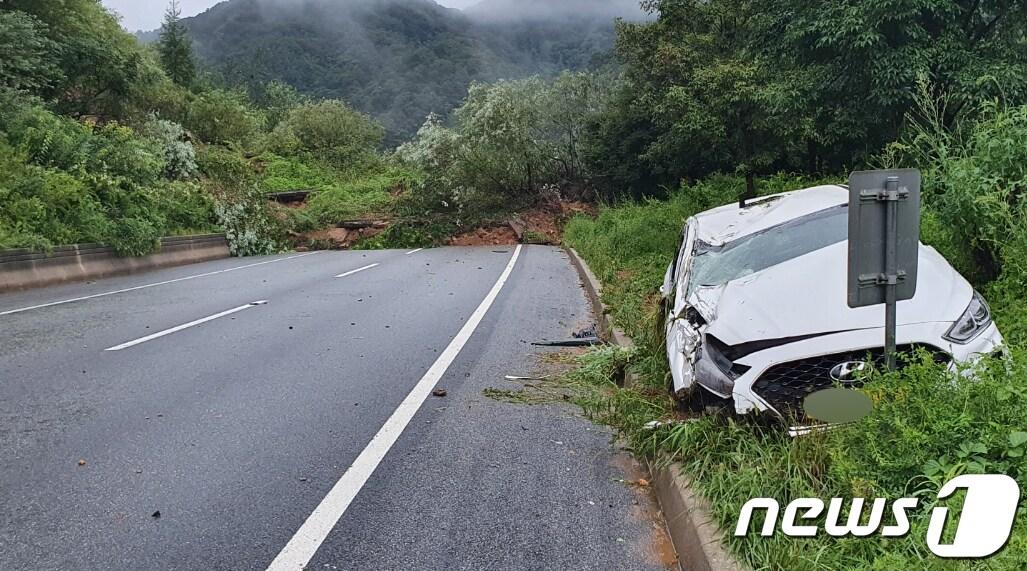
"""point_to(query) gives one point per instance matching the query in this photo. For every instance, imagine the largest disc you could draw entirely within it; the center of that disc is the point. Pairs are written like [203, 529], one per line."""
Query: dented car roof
[727, 223]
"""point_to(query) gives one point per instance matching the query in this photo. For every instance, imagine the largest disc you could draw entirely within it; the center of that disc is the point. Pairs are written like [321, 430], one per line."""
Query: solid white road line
[142, 340]
[305, 543]
[94, 296]
[412, 252]
[357, 271]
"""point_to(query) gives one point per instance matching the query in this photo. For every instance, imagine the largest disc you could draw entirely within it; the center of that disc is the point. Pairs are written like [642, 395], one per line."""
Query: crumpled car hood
[807, 296]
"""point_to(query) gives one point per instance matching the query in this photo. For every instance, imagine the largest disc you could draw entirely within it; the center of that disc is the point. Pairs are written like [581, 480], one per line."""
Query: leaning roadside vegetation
[105, 140]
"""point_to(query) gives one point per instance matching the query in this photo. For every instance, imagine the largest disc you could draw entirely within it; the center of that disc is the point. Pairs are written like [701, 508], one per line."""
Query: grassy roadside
[926, 428]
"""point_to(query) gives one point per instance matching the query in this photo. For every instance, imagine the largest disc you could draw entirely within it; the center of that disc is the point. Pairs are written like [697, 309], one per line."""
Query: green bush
[117, 152]
[974, 180]
[281, 173]
[45, 208]
[223, 117]
[64, 182]
[328, 129]
[179, 154]
[225, 169]
[47, 139]
[186, 208]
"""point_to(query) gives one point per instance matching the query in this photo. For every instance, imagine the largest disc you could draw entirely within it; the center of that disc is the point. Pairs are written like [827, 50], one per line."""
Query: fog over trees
[400, 60]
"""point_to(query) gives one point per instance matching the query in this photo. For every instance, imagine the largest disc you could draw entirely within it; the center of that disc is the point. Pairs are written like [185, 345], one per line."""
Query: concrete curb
[594, 291]
[24, 269]
[697, 539]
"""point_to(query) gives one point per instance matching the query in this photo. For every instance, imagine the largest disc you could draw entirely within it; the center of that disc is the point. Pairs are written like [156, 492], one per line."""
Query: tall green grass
[361, 189]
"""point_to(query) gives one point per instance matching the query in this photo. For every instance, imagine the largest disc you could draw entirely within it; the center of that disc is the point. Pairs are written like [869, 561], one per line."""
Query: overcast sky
[147, 14]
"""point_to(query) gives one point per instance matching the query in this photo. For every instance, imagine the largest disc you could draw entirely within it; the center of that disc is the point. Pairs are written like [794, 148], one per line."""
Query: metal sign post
[884, 243]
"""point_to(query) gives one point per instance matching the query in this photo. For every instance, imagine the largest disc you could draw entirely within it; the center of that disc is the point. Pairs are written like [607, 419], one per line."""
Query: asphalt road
[223, 435]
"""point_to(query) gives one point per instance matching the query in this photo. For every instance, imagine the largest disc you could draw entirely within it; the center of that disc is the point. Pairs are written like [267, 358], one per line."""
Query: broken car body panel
[758, 310]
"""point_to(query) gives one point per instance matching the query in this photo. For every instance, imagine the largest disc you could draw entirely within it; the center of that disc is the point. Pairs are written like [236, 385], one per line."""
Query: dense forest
[400, 60]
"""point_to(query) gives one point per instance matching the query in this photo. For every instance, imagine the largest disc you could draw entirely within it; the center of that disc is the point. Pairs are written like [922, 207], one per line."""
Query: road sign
[884, 242]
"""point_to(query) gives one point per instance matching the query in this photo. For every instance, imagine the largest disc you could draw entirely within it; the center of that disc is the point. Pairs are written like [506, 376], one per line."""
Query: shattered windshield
[718, 265]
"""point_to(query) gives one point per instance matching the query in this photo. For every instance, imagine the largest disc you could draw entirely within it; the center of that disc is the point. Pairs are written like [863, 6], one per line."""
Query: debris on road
[155, 515]
[520, 379]
[654, 424]
[585, 342]
[81, 462]
[641, 482]
[586, 333]
[439, 393]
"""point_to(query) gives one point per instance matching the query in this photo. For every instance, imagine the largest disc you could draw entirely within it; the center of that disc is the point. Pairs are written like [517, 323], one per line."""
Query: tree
[100, 65]
[850, 68]
[29, 62]
[513, 142]
[176, 48]
[697, 97]
[756, 87]
[277, 100]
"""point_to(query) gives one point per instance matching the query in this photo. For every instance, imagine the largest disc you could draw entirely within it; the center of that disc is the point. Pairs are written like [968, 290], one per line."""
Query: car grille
[786, 385]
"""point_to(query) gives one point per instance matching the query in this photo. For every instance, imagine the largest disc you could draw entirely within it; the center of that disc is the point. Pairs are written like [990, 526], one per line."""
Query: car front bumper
[746, 399]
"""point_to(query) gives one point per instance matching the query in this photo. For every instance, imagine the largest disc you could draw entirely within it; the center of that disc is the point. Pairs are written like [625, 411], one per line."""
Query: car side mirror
[667, 288]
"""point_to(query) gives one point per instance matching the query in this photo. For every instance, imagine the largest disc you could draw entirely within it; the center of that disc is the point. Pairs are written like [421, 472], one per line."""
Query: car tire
[698, 400]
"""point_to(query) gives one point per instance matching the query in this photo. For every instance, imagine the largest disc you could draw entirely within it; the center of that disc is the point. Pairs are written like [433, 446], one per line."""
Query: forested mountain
[400, 60]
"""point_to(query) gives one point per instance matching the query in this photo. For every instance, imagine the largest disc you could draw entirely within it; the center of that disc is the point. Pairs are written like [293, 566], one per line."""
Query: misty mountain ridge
[544, 9]
[400, 60]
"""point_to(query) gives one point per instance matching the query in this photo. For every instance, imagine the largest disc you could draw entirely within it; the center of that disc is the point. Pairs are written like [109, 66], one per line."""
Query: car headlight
[974, 320]
[721, 355]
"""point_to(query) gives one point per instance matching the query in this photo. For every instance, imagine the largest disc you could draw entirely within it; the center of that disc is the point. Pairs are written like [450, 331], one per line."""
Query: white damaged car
[756, 308]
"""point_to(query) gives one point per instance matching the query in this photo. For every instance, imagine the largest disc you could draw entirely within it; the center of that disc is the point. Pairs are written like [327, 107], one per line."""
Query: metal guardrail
[23, 268]
[73, 250]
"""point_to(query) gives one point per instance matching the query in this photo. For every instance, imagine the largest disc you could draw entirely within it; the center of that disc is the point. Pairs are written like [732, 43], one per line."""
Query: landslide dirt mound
[334, 238]
[503, 236]
[540, 225]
